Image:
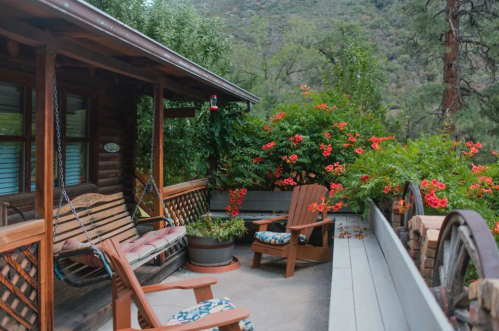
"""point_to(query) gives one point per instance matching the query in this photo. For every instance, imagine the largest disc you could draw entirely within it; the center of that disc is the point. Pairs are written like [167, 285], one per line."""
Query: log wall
[112, 120]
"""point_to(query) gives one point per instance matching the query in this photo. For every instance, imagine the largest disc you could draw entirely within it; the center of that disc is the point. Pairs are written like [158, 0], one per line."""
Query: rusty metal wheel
[412, 195]
[464, 240]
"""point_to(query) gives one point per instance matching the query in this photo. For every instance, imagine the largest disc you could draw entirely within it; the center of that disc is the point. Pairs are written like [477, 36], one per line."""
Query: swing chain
[151, 165]
[64, 194]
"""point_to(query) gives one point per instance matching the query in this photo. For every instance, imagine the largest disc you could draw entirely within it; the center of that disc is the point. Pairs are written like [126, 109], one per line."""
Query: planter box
[208, 252]
[420, 307]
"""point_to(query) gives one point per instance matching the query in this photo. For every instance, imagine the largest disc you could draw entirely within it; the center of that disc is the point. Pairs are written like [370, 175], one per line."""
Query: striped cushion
[88, 259]
[149, 243]
[203, 309]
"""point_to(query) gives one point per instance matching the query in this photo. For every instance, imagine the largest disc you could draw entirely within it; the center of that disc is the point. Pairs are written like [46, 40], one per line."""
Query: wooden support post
[158, 159]
[213, 157]
[44, 190]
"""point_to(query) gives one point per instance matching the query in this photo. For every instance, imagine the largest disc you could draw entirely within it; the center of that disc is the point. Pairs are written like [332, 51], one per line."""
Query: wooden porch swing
[103, 217]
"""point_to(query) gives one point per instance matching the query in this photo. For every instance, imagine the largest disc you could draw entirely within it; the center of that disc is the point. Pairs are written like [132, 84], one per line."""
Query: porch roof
[89, 36]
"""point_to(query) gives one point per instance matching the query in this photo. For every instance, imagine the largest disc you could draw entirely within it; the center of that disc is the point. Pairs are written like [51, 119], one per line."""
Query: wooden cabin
[103, 67]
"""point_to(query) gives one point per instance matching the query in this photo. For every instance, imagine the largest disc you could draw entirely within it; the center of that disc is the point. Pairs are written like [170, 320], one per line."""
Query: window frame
[27, 139]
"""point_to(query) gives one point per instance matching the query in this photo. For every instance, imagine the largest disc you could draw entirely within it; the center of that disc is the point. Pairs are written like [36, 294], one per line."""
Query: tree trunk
[451, 99]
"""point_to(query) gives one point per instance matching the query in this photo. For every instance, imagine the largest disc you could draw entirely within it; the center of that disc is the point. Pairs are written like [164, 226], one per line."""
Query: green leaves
[217, 228]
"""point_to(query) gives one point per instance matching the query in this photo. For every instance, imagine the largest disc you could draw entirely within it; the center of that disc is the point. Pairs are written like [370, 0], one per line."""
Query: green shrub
[217, 228]
[299, 141]
[431, 157]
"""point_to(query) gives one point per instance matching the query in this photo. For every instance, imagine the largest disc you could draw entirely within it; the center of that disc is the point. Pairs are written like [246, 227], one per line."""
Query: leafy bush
[307, 142]
[437, 165]
[217, 228]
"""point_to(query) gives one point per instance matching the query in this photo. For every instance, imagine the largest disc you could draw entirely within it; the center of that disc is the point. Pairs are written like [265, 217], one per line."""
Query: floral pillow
[205, 308]
[278, 238]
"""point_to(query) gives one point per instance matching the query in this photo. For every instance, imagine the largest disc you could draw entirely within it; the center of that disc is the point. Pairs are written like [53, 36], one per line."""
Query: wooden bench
[375, 284]
[104, 217]
[257, 205]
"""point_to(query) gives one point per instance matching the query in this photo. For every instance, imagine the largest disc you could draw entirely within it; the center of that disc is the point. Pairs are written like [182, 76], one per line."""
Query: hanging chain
[151, 167]
[64, 194]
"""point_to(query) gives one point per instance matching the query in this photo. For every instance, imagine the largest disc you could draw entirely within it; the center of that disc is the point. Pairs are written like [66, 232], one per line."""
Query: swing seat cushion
[203, 309]
[139, 249]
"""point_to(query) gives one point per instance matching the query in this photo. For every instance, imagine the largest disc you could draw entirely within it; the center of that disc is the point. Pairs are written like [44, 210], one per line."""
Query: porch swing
[86, 221]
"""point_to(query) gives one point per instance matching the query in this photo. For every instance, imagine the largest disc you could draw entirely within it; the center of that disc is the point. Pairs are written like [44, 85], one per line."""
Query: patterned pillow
[88, 259]
[205, 308]
[278, 238]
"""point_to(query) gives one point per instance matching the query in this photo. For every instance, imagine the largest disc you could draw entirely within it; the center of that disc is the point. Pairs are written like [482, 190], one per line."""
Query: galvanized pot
[209, 252]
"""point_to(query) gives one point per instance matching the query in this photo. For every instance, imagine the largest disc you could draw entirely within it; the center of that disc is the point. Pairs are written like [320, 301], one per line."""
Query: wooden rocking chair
[300, 222]
[127, 288]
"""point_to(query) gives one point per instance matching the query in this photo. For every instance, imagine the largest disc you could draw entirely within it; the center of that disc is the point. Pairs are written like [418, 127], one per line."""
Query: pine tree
[461, 34]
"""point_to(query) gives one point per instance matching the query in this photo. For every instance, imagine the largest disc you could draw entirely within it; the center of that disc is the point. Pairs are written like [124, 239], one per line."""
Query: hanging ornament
[213, 103]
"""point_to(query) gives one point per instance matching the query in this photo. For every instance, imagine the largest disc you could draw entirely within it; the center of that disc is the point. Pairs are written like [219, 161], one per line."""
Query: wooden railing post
[44, 201]
[3, 214]
[158, 158]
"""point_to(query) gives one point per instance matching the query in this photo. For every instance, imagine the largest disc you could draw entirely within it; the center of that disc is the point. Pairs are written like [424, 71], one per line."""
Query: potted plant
[211, 240]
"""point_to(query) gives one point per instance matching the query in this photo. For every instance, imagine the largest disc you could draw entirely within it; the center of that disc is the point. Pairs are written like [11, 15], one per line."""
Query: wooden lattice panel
[188, 207]
[19, 287]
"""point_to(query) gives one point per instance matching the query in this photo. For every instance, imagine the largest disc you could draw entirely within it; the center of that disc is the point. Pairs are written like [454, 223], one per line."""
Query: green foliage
[177, 25]
[130, 12]
[353, 68]
[217, 228]
[271, 68]
[431, 157]
[251, 163]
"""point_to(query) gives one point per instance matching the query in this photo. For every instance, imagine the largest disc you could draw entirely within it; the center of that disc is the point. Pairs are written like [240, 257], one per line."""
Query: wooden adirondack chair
[127, 288]
[300, 221]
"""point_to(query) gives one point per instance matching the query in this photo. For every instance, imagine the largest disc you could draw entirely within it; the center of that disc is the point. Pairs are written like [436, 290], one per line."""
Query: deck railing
[185, 202]
[22, 269]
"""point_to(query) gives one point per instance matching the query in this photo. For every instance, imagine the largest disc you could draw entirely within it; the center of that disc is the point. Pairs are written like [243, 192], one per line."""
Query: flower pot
[209, 252]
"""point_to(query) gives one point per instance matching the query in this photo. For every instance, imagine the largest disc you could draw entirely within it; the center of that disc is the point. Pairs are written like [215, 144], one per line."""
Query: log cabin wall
[112, 118]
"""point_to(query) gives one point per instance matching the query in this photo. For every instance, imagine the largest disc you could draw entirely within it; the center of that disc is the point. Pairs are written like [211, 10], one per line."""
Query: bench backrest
[104, 217]
[254, 201]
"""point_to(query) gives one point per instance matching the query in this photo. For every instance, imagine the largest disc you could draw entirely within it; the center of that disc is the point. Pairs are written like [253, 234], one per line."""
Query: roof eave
[100, 23]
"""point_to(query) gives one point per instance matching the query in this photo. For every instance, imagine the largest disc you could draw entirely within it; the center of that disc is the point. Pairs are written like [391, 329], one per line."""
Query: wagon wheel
[412, 195]
[464, 238]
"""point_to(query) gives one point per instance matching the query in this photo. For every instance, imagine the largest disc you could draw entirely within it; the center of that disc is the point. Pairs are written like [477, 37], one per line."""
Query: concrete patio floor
[299, 303]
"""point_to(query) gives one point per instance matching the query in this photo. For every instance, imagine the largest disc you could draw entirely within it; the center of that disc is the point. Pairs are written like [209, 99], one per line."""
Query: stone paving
[299, 303]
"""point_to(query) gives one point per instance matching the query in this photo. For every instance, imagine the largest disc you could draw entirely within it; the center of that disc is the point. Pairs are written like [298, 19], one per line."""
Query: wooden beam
[185, 90]
[28, 34]
[44, 201]
[179, 112]
[158, 159]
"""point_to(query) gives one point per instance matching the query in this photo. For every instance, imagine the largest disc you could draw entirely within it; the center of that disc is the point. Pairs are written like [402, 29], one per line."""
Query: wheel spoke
[465, 236]
[457, 273]
[461, 300]
[462, 326]
[462, 315]
[454, 250]
[443, 268]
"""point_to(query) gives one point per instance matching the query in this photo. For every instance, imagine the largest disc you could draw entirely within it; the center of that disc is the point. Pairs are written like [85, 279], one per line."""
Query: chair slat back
[104, 216]
[299, 214]
[127, 277]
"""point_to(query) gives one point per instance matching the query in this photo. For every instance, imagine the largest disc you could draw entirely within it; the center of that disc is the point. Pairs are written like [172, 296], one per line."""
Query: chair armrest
[222, 318]
[73, 252]
[154, 219]
[181, 284]
[312, 225]
[270, 220]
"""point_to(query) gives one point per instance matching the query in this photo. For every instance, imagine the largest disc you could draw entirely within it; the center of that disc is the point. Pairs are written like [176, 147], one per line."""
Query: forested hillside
[280, 44]
[381, 23]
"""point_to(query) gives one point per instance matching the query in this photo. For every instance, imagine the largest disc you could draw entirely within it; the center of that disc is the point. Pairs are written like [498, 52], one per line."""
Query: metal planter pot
[209, 252]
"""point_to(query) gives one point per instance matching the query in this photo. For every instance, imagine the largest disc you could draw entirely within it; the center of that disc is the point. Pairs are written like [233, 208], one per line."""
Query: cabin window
[17, 138]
